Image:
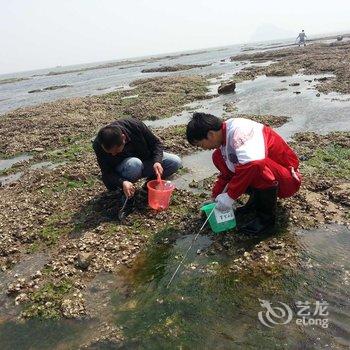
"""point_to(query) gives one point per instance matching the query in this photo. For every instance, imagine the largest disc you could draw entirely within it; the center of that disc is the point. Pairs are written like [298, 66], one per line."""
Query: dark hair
[110, 136]
[200, 124]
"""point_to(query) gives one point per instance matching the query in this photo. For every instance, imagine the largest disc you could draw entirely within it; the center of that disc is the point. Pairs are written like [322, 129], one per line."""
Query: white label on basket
[223, 216]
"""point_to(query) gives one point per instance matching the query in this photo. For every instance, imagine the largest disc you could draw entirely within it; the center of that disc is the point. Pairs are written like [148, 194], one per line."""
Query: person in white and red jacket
[252, 158]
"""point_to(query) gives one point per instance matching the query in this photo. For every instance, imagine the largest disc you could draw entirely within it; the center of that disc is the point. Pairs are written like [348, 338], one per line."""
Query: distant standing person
[301, 38]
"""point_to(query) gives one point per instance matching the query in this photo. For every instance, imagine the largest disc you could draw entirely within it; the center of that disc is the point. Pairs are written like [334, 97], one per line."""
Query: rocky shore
[11, 80]
[122, 64]
[65, 214]
[330, 58]
[175, 68]
[62, 123]
[58, 226]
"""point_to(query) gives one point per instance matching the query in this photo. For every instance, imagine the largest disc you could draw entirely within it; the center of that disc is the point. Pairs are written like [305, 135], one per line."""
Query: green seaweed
[331, 161]
[71, 153]
[54, 227]
[46, 301]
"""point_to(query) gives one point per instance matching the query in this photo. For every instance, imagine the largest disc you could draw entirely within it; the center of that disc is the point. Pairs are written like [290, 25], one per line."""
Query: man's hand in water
[224, 202]
[128, 188]
[158, 169]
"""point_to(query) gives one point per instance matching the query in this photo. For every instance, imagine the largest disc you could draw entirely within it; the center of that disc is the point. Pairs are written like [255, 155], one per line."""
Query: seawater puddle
[326, 252]
[101, 292]
[9, 179]
[24, 269]
[45, 165]
[177, 119]
[275, 96]
[199, 166]
[43, 334]
[129, 97]
[206, 309]
[212, 105]
[308, 112]
[51, 334]
[8, 163]
[98, 295]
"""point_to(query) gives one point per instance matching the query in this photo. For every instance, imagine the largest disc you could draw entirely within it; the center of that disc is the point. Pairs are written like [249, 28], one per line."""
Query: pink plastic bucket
[159, 194]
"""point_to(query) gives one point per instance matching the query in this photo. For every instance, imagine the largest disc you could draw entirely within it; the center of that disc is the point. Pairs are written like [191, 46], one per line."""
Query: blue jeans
[133, 169]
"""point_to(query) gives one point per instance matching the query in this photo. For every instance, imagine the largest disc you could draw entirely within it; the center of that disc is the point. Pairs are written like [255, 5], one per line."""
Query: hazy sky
[46, 33]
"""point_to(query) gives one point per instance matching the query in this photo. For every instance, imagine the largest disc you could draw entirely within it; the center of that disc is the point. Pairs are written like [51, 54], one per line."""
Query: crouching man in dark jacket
[127, 151]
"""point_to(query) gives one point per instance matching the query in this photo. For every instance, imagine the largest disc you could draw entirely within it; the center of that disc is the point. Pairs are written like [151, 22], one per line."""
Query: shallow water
[199, 165]
[9, 179]
[7, 163]
[307, 111]
[26, 267]
[42, 334]
[203, 309]
[177, 119]
[45, 165]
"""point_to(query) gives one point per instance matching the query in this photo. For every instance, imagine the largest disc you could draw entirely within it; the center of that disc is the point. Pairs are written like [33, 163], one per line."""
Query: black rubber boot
[265, 205]
[250, 205]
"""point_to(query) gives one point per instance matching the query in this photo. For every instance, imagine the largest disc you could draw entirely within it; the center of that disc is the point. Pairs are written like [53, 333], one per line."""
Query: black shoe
[265, 205]
[258, 226]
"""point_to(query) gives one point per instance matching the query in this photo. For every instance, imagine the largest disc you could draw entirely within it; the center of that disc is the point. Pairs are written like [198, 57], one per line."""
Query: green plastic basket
[219, 221]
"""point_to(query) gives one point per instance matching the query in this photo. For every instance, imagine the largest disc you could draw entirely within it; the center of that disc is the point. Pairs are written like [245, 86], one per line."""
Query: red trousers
[275, 167]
